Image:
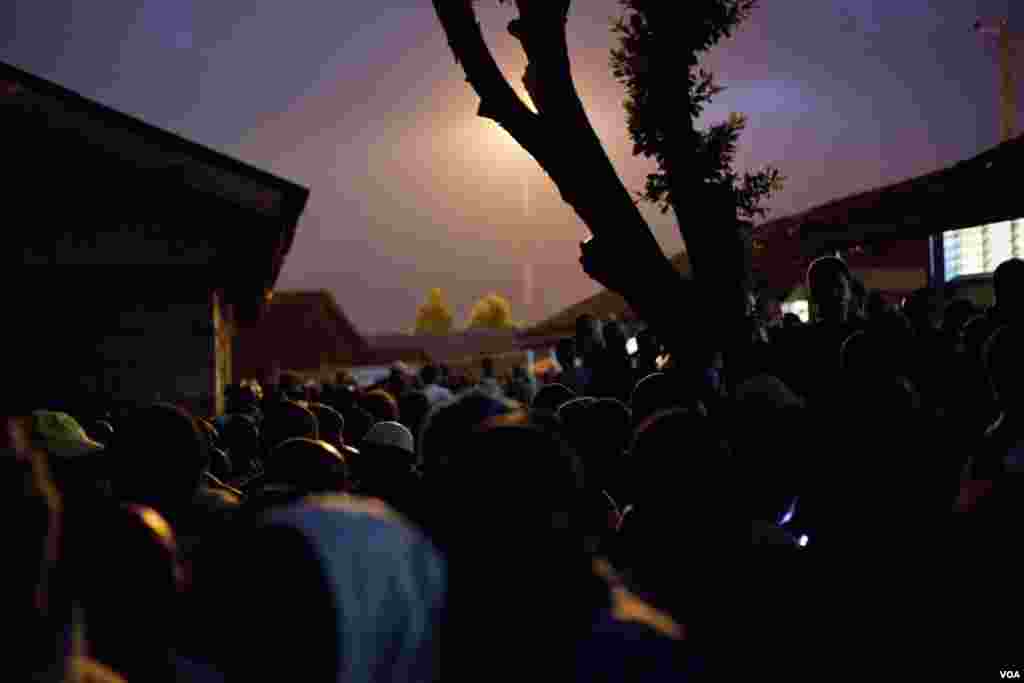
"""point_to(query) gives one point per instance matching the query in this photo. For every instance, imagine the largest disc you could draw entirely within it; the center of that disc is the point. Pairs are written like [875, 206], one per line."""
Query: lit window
[981, 249]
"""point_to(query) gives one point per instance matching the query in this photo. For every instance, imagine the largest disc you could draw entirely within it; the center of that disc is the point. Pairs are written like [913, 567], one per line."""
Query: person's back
[612, 371]
[1008, 286]
[1003, 446]
[358, 596]
[132, 598]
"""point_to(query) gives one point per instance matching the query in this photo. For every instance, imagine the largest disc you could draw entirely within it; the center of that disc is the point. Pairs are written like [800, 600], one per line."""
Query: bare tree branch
[498, 100]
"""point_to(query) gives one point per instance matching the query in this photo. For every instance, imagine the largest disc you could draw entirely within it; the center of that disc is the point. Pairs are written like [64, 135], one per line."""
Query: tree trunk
[562, 140]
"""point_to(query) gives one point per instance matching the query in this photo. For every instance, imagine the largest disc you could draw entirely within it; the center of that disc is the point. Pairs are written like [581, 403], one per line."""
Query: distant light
[632, 346]
[802, 541]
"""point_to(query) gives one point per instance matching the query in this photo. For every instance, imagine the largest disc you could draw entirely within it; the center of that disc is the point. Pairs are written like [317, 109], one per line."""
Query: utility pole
[1007, 85]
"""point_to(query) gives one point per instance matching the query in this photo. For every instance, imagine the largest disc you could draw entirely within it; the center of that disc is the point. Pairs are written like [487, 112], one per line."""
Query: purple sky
[362, 102]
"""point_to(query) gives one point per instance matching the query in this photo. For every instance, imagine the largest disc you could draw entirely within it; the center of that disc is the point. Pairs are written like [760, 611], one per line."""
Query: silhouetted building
[136, 253]
[895, 239]
[302, 331]
[969, 215]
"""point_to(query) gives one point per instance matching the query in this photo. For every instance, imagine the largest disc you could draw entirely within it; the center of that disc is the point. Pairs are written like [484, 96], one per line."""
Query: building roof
[152, 155]
[605, 304]
[302, 331]
[972, 192]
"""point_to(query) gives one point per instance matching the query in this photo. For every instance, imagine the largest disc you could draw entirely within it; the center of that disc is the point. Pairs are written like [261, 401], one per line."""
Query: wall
[161, 352]
[224, 330]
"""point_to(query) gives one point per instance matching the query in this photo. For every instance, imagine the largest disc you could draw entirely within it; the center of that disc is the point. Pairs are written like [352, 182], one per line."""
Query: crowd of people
[843, 494]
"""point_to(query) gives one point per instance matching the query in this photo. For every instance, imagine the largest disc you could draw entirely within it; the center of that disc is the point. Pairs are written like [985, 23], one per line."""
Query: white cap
[391, 434]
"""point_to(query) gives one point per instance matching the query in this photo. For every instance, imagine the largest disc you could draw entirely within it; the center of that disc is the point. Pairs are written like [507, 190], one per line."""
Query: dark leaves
[657, 62]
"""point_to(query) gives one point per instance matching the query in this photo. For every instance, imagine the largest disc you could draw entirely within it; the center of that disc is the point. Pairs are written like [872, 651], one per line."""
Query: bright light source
[802, 541]
[631, 346]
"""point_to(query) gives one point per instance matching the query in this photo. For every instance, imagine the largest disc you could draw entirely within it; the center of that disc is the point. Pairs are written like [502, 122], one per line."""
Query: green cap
[61, 435]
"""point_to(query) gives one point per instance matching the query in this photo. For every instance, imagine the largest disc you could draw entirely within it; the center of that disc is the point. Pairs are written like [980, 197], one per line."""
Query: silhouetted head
[550, 398]
[858, 296]
[573, 418]
[658, 391]
[221, 465]
[614, 337]
[565, 352]
[381, 405]
[241, 439]
[975, 333]
[291, 386]
[159, 457]
[429, 374]
[101, 430]
[341, 397]
[357, 422]
[791, 320]
[131, 588]
[647, 345]
[574, 410]
[768, 308]
[676, 453]
[1004, 362]
[309, 465]
[958, 312]
[288, 420]
[385, 466]
[588, 335]
[1008, 283]
[413, 408]
[865, 353]
[330, 424]
[829, 280]
[876, 305]
[922, 308]
[605, 439]
[487, 367]
[557, 479]
[448, 425]
[894, 325]
[241, 398]
[687, 500]
[767, 454]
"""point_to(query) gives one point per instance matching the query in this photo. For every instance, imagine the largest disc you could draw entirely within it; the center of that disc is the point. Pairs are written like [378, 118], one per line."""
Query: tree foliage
[434, 317]
[491, 312]
[661, 43]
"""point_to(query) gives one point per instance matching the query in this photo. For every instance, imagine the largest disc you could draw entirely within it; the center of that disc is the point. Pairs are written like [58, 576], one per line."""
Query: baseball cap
[61, 435]
[391, 433]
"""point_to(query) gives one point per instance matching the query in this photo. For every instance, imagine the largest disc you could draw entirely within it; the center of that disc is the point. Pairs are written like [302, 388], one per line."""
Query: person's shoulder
[88, 670]
[633, 642]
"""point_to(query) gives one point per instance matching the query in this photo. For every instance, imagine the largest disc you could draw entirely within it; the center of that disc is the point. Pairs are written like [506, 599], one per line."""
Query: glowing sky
[362, 102]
